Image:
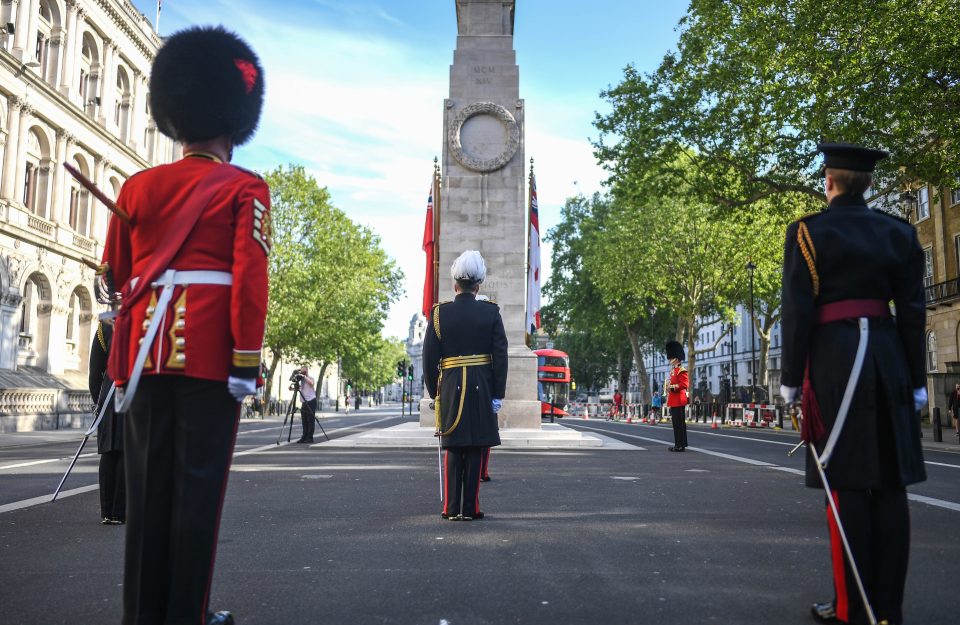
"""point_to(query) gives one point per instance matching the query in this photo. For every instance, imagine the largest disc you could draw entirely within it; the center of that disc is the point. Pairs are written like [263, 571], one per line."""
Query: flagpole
[156, 24]
[526, 313]
[436, 230]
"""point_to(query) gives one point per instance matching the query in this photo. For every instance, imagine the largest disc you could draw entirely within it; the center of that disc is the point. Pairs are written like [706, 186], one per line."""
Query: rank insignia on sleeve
[261, 225]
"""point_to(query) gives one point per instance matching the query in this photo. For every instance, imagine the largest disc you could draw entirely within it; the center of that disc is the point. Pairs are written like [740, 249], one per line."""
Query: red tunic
[209, 331]
[678, 396]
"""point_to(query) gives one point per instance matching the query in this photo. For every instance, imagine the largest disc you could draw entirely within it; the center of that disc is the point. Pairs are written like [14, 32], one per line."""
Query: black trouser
[461, 480]
[307, 411]
[113, 501]
[178, 442]
[877, 525]
[679, 427]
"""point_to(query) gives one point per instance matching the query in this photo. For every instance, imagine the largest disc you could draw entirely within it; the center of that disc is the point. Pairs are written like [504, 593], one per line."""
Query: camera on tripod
[295, 379]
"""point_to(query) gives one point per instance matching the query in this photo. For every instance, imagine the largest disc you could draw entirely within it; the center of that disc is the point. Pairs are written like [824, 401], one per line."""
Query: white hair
[469, 266]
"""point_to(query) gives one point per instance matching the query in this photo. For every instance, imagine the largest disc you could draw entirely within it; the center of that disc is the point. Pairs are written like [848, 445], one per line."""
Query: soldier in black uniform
[113, 501]
[465, 370]
[841, 266]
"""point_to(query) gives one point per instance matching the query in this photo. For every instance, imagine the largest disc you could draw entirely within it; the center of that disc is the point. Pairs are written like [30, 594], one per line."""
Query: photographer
[308, 393]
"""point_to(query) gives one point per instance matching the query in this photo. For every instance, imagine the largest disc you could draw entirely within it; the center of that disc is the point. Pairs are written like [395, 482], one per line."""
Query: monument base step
[549, 436]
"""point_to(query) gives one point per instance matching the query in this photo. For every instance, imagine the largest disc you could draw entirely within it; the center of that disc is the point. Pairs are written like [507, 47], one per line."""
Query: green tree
[376, 366]
[755, 84]
[331, 283]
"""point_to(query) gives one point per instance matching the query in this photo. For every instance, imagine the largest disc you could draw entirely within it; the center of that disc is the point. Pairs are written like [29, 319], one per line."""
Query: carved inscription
[484, 70]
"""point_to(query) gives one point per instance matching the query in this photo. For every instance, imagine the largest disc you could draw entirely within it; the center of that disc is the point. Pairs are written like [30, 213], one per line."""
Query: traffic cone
[713, 426]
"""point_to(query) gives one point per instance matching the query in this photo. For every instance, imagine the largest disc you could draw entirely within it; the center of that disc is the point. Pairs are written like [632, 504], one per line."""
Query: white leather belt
[167, 281]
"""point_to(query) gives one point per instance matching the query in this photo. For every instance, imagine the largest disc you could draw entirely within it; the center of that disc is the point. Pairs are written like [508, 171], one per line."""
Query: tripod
[291, 411]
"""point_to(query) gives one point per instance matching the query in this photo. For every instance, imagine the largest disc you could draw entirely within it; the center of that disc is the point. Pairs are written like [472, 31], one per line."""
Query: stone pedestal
[483, 195]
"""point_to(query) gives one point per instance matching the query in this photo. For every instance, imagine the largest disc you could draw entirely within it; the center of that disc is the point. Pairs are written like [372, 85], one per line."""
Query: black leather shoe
[672, 449]
[824, 612]
[450, 517]
[485, 479]
[475, 517]
[220, 618]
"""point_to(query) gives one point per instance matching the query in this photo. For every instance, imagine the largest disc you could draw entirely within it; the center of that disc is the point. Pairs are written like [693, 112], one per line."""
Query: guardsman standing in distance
[192, 267]
[841, 269]
[677, 395]
[465, 370]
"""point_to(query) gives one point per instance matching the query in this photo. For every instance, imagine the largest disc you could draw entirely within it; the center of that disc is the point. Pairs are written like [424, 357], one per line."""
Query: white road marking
[49, 460]
[930, 501]
[35, 501]
[937, 464]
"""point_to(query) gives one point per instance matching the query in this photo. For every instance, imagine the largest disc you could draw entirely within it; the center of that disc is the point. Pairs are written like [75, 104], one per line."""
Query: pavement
[328, 534]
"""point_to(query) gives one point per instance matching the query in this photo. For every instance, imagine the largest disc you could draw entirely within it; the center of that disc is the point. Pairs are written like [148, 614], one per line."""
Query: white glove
[496, 405]
[919, 398]
[789, 393]
[241, 387]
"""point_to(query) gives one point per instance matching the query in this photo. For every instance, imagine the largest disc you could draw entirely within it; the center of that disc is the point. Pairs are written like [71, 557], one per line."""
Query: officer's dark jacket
[466, 327]
[850, 251]
[110, 430]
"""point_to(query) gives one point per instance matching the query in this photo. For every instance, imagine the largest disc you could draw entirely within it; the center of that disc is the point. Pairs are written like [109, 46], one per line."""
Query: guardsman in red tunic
[191, 266]
[677, 395]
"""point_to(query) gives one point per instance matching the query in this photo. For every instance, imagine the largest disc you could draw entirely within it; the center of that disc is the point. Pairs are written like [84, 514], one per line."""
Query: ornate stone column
[55, 57]
[14, 104]
[70, 36]
[137, 93]
[21, 42]
[95, 212]
[57, 209]
[33, 16]
[20, 165]
[109, 74]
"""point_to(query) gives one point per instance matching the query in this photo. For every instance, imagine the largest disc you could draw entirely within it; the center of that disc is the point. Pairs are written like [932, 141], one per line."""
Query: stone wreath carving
[504, 117]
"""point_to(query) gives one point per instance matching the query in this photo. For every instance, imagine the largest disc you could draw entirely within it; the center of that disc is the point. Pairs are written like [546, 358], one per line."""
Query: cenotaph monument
[483, 193]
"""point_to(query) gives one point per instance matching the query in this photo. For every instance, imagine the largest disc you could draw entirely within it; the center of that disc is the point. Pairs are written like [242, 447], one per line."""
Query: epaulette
[248, 171]
[682, 369]
[487, 301]
[103, 341]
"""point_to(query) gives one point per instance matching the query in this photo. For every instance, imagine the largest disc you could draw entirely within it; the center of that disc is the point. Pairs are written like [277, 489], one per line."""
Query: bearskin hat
[674, 350]
[206, 82]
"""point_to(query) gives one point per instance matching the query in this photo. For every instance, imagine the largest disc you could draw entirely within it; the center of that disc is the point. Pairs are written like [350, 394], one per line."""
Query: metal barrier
[753, 415]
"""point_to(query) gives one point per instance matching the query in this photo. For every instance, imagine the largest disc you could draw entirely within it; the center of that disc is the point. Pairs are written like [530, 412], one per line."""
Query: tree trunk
[645, 391]
[271, 370]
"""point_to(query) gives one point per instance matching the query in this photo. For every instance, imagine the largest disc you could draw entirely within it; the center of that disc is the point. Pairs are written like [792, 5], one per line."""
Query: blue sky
[355, 90]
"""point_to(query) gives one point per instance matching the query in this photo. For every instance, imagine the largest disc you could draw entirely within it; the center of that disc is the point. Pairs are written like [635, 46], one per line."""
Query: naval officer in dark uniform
[465, 371]
[843, 265]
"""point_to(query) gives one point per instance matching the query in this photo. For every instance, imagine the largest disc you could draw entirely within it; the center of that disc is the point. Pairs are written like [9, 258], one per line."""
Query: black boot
[824, 612]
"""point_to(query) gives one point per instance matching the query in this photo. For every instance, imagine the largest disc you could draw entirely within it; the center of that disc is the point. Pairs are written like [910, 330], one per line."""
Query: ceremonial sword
[86, 436]
[97, 193]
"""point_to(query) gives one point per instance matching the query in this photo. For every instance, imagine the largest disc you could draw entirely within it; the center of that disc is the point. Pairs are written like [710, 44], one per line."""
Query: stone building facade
[936, 214]
[73, 89]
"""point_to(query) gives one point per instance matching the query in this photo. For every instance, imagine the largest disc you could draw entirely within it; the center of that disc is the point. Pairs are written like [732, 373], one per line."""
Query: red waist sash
[852, 309]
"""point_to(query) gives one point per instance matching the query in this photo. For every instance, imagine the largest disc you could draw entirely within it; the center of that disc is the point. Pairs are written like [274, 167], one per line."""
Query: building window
[72, 317]
[955, 193]
[931, 351]
[923, 203]
[927, 266]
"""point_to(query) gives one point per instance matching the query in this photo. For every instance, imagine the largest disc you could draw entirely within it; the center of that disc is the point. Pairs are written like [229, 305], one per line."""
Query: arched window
[72, 317]
[931, 351]
[48, 40]
[78, 215]
[124, 97]
[27, 306]
[89, 72]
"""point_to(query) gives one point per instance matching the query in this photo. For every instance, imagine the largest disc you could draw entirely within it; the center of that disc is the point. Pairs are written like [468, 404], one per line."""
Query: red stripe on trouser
[446, 477]
[476, 504]
[216, 531]
[837, 557]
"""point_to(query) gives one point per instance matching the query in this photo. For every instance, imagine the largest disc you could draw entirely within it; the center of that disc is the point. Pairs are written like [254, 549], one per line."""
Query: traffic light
[410, 373]
[349, 385]
[400, 369]
[573, 385]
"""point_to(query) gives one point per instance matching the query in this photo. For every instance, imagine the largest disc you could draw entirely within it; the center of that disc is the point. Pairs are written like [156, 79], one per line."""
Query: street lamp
[753, 339]
[908, 204]
[733, 365]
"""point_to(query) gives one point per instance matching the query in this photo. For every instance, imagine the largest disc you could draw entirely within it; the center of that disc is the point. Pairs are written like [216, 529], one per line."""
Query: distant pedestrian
[356, 401]
[617, 403]
[656, 404]
[677, 395]
[953, 406]
[465, 369]
[838, 283]
[308, 407]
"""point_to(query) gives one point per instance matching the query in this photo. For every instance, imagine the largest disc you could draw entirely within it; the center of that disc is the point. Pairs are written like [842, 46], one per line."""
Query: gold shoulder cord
[103, 341]
[436, 320]
[809, 254]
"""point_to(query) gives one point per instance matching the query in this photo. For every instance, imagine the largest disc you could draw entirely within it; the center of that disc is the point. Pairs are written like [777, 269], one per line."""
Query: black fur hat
[206, 82]
[674, 350]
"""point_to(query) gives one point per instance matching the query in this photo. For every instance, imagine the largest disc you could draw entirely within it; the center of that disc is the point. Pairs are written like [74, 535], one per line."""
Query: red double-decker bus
[553, 381]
